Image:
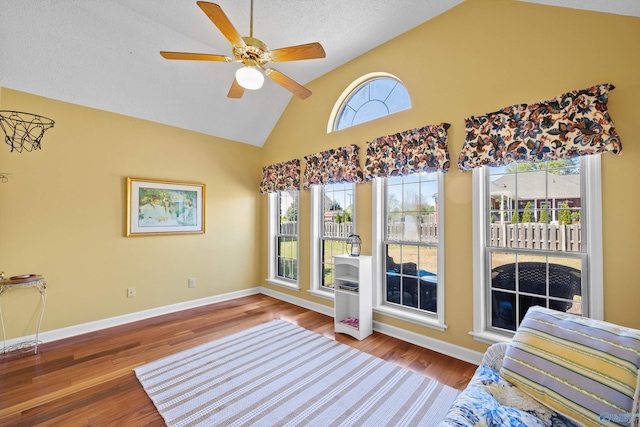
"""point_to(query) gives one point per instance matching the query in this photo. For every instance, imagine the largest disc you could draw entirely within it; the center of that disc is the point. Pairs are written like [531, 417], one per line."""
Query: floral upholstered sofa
[558, 370]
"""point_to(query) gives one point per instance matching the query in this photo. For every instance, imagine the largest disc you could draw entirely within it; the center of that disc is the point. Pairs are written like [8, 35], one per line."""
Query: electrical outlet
[131, 292]
[192, 282]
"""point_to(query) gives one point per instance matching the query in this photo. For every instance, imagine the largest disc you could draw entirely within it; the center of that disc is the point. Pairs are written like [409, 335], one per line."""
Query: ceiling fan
[253, 54]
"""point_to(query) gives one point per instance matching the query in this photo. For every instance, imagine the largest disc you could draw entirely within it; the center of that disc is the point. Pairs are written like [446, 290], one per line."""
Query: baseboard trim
[84, 328]
[404, 335]
[298, 301]
[443, 347]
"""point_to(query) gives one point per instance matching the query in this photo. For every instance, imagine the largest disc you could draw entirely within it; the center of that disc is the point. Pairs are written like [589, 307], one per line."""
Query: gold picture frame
[160, 207]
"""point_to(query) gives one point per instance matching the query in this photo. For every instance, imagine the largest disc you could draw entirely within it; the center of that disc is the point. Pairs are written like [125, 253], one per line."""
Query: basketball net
[23, 131]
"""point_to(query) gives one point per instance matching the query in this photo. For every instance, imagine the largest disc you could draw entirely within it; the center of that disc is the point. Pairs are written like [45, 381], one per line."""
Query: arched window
[368, 98]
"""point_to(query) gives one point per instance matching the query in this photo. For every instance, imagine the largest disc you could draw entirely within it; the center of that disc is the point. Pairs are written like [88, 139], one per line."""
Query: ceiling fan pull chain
[251, 21]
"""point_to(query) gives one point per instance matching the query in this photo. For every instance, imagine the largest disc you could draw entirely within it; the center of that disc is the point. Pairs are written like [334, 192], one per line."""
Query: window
[368, 98]
[333, 222]
[538, 240]
[411, 248]
[284, 232]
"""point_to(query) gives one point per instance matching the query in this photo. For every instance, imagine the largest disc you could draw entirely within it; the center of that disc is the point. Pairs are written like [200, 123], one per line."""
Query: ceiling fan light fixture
[249, 78]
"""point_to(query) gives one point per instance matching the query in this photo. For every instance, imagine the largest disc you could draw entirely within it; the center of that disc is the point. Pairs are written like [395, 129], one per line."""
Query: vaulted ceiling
[105, 54]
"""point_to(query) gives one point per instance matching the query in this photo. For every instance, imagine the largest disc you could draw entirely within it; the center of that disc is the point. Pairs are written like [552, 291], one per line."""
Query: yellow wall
[62, 214]
[476, 58]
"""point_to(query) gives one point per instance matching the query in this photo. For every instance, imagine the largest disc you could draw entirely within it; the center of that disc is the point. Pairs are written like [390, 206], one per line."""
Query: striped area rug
[279, 374]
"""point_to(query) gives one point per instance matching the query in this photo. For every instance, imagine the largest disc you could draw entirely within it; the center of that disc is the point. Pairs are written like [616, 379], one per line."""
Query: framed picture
[156, 207]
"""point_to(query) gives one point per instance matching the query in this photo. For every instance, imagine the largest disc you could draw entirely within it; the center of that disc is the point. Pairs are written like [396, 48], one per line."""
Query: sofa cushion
[582, 368]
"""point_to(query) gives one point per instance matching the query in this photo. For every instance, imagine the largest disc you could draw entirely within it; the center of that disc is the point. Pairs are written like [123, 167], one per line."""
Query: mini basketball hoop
[23, 131]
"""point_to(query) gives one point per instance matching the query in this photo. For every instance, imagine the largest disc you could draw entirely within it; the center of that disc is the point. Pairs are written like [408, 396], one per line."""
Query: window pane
[288, 221]
[370, 111]
[411, 227]
[527, 301]
[565, 284]
[428, 278]
[503, 313]
[359, 98]
[398, 100]
[427, 209]
[346, 118]
[395, 224]
[503, 277]
[381, 88]
[532, 276]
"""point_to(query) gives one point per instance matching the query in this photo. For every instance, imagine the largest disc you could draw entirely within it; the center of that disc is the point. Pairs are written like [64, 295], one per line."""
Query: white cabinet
[353, 313]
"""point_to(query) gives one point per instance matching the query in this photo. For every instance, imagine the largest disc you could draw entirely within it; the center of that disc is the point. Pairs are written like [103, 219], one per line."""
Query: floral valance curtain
[416, 150]
[281, 177]
[573, 124]
[333, 166]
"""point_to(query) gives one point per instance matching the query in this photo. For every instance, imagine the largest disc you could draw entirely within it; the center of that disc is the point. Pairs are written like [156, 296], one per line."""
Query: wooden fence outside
[289, 227]
[533, 235]
[414, 229]
[334, 229]
[528, 235]
[331, 229]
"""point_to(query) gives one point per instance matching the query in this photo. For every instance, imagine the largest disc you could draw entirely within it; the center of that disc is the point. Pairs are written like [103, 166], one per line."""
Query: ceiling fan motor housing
[255, 53]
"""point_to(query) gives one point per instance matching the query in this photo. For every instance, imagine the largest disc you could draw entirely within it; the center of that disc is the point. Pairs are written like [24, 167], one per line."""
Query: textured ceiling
[104, 54]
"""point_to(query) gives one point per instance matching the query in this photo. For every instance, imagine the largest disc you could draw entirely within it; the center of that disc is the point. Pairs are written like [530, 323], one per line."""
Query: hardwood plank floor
[88, 380]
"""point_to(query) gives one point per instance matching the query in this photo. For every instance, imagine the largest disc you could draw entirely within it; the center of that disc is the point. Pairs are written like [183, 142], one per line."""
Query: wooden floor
[88, 380]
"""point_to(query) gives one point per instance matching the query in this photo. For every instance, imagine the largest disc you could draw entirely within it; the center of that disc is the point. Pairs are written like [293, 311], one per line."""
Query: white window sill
[417, 318]
[490, 337]
[285, 284]
[321, 293]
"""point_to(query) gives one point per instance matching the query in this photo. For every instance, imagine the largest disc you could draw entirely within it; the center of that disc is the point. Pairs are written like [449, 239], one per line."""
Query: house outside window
[284, 231]
[538, 241]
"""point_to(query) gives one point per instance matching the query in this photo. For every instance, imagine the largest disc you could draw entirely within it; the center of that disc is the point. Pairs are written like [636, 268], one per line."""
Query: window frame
[591, 189]
[274, 234]
[435, 321]
[345, 96]
[317, 221]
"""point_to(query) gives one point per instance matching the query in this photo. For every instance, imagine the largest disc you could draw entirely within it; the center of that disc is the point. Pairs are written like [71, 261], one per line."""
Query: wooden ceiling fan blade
[220, 20]
[236, 91]
[297, 53]
[288, 83]
[195, 56]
